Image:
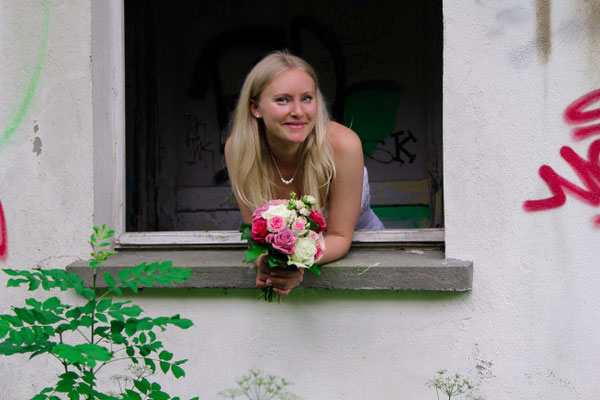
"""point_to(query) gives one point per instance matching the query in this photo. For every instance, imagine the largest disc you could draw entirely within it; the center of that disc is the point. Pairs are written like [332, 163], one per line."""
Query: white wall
[535, 306]
[529, 328]
[46, 152]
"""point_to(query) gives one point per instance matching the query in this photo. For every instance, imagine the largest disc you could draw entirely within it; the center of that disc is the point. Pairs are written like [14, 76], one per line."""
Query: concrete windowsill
[361, 269]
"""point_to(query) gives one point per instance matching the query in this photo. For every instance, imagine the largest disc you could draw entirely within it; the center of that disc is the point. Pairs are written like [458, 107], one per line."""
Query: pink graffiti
[3, 237]
[588, 170]
[575, 114]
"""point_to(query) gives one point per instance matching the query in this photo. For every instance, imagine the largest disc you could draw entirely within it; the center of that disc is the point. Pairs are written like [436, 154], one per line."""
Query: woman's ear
[254, 109]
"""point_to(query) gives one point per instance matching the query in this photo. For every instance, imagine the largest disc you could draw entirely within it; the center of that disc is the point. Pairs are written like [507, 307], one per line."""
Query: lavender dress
[367, 218]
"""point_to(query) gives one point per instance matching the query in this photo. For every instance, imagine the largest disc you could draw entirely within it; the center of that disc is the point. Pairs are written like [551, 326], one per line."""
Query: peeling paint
[593, 24]
[33, 83]
[588, 15]
[37, 145]
[543, 31]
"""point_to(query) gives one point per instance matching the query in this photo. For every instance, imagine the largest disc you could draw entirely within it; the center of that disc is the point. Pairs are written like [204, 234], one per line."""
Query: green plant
[125, 382]
[257, 386]
[104, 330]
[451, 385]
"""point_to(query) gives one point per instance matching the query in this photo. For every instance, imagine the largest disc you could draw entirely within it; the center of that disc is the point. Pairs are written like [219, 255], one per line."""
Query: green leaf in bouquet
[313, 225]
[246, 230]
[277, 259]
[253, 253]
[315, 269]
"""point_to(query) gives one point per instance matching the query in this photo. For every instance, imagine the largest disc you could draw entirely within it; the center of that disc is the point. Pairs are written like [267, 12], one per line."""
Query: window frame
[108, 95]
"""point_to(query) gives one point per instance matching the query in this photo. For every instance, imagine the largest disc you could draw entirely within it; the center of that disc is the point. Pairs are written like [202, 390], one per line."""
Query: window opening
[380, 67]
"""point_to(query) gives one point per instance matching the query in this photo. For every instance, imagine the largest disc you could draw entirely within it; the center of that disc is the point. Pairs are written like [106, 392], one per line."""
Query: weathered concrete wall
[511, 69]
[528, 330]
[46, 153]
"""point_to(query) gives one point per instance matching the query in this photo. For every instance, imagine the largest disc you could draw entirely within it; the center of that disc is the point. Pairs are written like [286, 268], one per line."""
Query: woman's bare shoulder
[342, 138]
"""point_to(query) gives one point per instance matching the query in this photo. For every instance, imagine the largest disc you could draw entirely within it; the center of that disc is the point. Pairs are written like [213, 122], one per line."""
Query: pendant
[286, 181]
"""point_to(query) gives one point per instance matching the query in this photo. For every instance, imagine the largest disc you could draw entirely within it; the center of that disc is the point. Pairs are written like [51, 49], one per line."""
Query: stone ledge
[361, 269]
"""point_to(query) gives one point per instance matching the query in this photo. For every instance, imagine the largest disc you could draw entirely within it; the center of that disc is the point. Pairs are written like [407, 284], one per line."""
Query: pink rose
[318, 237]
[259, 230]
[319, 219]
[275, 224]
[318, 254]
[257, 214]
[284, 241]
[299, 226]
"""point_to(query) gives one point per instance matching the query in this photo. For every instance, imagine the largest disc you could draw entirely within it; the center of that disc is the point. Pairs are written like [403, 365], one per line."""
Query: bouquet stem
[268, 294]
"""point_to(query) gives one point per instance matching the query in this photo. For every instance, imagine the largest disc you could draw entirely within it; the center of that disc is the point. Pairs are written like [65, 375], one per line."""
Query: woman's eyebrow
[289, 95]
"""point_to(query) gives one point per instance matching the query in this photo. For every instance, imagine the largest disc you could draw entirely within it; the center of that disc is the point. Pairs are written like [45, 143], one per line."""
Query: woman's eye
[281, 100]
[307, 99]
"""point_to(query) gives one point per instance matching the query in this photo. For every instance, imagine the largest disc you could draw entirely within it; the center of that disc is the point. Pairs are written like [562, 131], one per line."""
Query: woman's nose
[296, 109]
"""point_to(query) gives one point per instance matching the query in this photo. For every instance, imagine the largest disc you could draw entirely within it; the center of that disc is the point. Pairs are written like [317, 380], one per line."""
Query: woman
[282, 141]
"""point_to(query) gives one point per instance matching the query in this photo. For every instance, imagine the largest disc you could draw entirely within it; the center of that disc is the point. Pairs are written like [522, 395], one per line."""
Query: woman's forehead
[291, 80]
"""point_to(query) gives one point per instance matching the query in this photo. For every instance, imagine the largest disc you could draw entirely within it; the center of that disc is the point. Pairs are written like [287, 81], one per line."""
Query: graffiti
[33, 82]
[203, 10]
[588, 170]
[198, 148]
[364, 28]
[386, 157]
[576, 114]
[22, 108]
[364, 63]
[3, 237]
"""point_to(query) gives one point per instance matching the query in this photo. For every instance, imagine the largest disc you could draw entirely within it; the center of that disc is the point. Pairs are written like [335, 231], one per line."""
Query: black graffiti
[366, 27]
[400, 153]
[197, 147]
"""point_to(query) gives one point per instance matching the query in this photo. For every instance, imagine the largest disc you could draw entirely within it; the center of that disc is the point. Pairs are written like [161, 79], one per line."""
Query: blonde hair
[250, 168]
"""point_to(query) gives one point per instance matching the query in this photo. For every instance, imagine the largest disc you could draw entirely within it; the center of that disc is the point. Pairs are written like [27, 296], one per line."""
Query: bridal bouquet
[290, 232]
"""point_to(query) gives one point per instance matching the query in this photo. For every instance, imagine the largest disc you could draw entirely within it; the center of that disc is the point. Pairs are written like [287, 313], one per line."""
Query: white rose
[308, 199]
[280, 210]
[304, 211]
[304, 256]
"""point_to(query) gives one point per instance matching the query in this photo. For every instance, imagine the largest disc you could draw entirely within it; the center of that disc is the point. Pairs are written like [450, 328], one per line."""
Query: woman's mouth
[295, 125]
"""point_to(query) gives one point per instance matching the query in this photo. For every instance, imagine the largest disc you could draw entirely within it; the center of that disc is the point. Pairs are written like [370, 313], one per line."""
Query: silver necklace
[285, 181]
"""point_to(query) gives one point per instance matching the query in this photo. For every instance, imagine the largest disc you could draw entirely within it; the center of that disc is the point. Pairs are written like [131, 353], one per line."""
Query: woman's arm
[283, 280]
[345, 193]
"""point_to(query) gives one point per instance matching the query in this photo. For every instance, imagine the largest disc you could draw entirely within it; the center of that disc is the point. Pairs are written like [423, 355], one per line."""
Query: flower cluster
[290, 232]
[291, 227]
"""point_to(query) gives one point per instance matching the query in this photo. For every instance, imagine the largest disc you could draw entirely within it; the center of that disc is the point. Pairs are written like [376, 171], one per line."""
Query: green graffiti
[405, 217]
[33, 83]
[372, 115]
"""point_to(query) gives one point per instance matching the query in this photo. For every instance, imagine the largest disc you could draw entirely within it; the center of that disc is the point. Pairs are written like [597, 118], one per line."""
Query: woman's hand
[283, 280]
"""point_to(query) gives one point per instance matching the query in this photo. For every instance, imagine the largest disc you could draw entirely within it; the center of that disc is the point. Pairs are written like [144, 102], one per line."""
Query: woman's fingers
[283, 280]
[282, 292]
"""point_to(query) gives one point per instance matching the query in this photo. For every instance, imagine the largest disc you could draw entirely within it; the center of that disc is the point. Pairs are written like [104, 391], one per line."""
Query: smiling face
[288, 107]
